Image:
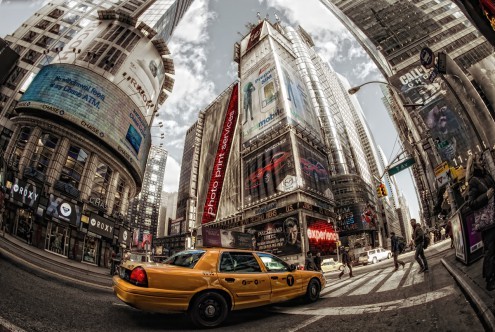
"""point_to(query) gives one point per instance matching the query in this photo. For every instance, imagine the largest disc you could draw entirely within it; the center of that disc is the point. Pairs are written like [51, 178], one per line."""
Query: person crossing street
[396, 251]
[346, 260]
[418, 238]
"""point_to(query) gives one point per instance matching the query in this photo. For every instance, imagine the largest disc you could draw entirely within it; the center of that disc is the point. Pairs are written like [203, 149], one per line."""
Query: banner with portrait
[281, 237]
[226, 238]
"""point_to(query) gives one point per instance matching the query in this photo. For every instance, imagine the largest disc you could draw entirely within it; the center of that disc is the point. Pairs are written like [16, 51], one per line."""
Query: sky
[202, 50]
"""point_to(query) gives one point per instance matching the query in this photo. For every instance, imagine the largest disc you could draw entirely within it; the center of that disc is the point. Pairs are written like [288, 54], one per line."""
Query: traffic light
[383, 189]
[379, 191]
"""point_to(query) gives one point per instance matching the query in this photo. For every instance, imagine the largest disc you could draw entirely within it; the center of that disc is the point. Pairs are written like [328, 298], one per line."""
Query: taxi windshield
[187, 258]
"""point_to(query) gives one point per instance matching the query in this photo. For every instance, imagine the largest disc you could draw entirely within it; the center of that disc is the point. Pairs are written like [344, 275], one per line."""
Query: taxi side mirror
[292, 267]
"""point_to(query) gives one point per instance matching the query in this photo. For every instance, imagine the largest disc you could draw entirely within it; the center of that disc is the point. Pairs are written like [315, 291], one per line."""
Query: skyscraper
[456, 118]
[76, 115]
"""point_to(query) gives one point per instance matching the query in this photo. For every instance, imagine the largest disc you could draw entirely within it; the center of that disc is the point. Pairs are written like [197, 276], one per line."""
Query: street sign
[427, 57]
[401, 166]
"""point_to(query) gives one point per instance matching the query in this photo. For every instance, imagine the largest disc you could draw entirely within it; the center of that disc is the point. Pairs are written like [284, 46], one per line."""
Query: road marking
[414, 277]
[9, 326]
[394, 281]
[306, 323]
[370, 308]
[342, 290]
[370, 284]
[340, 283]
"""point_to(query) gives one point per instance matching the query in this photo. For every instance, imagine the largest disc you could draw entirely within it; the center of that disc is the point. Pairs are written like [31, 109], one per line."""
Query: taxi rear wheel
[313, 291]
[209, 309]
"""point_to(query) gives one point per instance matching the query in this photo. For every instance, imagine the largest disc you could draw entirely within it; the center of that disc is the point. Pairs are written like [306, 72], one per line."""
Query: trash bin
[467, 241]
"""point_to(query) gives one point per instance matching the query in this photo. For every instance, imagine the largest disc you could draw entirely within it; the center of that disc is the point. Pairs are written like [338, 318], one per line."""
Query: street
[376, 298]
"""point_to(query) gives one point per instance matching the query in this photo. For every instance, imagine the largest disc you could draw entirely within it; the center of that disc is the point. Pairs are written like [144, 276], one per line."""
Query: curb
[485, 312]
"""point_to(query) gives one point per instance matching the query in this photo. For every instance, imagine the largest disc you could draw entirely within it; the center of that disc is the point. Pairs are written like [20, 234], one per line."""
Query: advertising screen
[314, 169]
[97, 106]
[298, 102]
[280, 237]
[322, 237]
[269, 170]
[442, 114]
[225, 238]
[356, 217]
[260, 99]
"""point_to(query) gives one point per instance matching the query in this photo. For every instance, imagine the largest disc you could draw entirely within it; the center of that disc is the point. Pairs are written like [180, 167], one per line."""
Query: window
[43, 153]
[239, 262]
[101, 181]
[273, 264]
[74, 166]
[20, 146]
[187, 258]
[154, 177]
[119, 195]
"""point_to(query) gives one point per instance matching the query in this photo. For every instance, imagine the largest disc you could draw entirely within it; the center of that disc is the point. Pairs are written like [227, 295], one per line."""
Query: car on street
[488, 9]
[373, 256]
[264, 175]
[208, 283]
[329, 265]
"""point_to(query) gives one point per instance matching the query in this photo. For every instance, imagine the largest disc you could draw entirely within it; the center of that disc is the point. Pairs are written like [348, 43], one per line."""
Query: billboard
[322, 237]
[300, 110]
[314, 169]
[442, 114]
[225, 238]
[221, 159]
[100, 225]
[356, 217]
[97, 106]
[64, 210]
[280, 237]
[261, 105]
[269, 170]
[256, 34]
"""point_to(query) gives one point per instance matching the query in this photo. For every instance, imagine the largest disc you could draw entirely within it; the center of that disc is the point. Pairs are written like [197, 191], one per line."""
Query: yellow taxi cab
[208, 283]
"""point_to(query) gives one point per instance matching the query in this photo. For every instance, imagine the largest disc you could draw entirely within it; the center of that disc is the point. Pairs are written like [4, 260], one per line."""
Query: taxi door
[241, 274]
[285, 284]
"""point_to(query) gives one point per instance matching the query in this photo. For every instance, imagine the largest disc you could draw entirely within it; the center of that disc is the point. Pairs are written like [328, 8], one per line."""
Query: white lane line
[342, 290]
[414, 277]
[370, 308]
[370, 284]
[394, 281]
[9, 326]
[341, 283]
[305, 323]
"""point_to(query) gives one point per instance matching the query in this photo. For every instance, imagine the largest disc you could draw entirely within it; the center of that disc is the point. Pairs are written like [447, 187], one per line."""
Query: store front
[98, 240]
[24, 198]
[57, 239]
[91, 249]
[24, 225]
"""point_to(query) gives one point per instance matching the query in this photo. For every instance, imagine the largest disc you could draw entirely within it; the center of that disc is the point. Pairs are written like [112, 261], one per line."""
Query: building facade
[76, 113]
[394, 33]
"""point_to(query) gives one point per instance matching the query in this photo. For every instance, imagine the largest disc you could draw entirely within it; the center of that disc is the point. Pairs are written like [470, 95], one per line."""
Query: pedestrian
[346, 260]
[309, 264]
[396, 251]
[317, 261]
[418, 238]
[442, 233]
[480, 190]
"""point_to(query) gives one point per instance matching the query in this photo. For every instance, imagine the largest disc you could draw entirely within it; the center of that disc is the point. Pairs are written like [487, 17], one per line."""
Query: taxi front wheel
[209, 309]
[313, 291]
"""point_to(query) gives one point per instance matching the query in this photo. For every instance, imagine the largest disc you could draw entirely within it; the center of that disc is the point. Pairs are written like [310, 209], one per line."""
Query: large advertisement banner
[269, 170]
[64, 210]
[322, 237]
[442, 114]
[94, 104]
[280, 237]
[314, 169]
[221, 159]
[260, 99]
[298, 102]
[254, 37]
[225, 238]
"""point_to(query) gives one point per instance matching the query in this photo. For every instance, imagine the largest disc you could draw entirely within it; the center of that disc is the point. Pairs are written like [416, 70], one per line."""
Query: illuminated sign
[221, 158]
[100, 225]
[91, 102]
[25, 193]
[322, 237]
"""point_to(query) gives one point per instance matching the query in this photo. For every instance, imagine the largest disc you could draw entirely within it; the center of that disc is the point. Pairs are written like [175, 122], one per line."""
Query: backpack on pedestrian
[426, 241]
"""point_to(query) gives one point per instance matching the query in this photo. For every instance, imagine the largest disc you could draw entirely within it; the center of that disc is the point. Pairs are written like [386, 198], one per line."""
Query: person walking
[317, 260]
[418, 238]
[396, 251]
[309, 264]
[346, 260]
[480, 190]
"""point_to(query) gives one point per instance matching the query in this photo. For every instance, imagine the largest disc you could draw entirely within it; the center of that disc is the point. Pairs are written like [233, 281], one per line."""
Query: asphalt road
[376, 299]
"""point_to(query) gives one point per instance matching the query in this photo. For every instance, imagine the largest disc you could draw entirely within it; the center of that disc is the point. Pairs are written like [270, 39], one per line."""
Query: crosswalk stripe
[370, 284]
[342, 290]
[394, 281]
[340, 283]
[414, 277]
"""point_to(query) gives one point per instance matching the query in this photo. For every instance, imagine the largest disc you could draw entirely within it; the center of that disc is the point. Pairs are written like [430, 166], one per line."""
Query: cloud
[172, 172]
[366, 70]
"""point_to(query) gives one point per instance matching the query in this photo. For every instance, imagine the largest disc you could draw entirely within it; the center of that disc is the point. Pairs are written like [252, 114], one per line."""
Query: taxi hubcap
[210, 310]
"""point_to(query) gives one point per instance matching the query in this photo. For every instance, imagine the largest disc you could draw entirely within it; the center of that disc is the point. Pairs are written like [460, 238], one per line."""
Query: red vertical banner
[221, 158]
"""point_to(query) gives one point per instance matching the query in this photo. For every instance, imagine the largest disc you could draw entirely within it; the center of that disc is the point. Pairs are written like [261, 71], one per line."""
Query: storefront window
[57, 239]
[43, 153]
[90, 250]
[24, 225]
[20, 145]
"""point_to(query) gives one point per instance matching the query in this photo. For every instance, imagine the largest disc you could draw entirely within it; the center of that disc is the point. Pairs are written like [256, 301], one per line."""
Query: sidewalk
[64, 268]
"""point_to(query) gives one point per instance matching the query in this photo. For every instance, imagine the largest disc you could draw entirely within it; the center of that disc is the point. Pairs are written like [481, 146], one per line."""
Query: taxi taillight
[138, 277]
